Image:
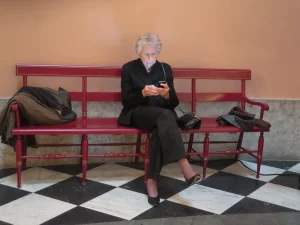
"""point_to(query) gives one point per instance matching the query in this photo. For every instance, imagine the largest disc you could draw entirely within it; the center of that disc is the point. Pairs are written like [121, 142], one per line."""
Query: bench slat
[110, 126]
[115, 71]
[68, 70]
[183, 97]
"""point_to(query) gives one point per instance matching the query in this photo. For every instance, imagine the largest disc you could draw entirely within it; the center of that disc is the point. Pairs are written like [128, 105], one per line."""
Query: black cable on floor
[274, 174]
[271, 174]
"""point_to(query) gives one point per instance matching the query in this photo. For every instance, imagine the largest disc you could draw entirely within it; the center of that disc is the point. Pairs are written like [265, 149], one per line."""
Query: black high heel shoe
[194, 179]
[154, 201]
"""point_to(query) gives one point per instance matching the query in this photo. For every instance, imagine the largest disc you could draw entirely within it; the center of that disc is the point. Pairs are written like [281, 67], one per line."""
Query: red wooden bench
[85, 126]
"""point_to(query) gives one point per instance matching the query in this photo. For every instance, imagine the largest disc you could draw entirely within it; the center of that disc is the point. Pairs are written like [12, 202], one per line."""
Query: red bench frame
[90, 126]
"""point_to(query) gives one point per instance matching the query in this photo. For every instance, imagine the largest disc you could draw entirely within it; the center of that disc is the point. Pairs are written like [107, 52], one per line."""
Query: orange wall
[262, 35]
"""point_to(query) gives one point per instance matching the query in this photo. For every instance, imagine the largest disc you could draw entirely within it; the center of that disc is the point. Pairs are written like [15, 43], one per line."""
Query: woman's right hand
[150, 90]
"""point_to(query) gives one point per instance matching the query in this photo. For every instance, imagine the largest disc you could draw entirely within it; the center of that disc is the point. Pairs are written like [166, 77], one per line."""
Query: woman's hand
[150, 90]
[164, 92]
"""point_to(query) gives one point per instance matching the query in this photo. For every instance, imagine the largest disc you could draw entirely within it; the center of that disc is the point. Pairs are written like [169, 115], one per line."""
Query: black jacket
[133, 80]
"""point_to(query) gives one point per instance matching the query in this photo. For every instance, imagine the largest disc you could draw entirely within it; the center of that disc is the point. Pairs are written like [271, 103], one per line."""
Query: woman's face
[148, 55]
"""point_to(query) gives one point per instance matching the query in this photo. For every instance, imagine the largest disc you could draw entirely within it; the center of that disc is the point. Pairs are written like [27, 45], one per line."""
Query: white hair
[148, 38]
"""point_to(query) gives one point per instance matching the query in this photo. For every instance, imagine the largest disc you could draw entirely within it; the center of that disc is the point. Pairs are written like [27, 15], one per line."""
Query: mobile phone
[161, 82]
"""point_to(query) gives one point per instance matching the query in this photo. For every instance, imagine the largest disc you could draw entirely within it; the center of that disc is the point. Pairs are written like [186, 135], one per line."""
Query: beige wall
[262, 35]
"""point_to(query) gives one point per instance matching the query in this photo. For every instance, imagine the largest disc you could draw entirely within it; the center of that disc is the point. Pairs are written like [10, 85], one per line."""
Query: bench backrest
[84, 72]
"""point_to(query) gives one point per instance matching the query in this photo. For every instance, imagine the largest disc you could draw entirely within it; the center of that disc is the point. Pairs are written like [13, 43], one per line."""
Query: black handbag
[188, 121]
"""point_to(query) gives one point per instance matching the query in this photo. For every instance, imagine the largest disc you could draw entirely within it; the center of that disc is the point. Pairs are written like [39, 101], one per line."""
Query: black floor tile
[10, 171]
[278, 164]
[71, 169]
[288, 181]
[232, 183]
[215, 164]
[72, 191]
[249, 205]
[80, 215]
[167, 187]
[3, 223]
[171, 209]
[8, 194]
[7, 172]
[138, 166]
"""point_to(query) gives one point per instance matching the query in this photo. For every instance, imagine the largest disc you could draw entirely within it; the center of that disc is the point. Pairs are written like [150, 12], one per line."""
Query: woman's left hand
[164, 92]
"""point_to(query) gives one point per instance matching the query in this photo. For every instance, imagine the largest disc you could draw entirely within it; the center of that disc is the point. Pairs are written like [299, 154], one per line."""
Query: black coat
[133, 80]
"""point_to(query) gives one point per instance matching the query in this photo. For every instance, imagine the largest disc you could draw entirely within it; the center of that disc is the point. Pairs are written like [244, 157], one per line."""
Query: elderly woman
[150, 107]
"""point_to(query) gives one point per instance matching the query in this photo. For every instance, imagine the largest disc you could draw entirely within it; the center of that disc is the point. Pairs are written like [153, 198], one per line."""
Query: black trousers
[166, 145]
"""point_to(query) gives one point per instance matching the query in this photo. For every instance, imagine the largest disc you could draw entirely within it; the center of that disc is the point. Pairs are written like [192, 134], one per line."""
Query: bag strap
[165, 75]
[164, 71]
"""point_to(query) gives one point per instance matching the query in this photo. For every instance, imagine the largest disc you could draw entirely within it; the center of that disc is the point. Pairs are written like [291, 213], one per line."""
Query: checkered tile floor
[116, 192]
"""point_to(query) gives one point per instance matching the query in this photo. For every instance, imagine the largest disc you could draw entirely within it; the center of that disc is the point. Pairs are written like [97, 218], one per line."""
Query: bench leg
[205, 154]
[19, 159]
[24, 152]
[138, 147]
[239, 145]
[80, 160]
[146, 161]
[260, 151]
[84, 150]
[190, 145]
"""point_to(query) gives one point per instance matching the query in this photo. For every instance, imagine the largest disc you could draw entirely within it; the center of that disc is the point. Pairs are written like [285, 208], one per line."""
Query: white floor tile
[240, 170]
[173, 170]
[32, 209]
[35, 179]
[120, 203]
[113, 174]
[278, 195]
[207, 199]
[295, 169]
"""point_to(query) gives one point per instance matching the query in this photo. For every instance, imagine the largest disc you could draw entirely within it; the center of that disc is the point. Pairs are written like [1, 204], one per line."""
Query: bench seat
[110, 126]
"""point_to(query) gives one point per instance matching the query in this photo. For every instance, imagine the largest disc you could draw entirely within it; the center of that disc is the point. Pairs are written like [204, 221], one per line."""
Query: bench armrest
[263, 106]
[15, 108]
